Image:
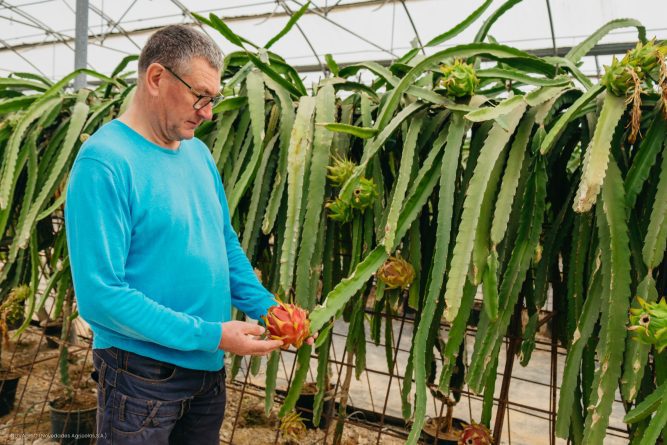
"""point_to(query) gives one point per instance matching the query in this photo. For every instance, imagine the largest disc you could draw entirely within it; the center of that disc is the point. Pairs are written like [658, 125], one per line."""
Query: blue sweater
[155, 261]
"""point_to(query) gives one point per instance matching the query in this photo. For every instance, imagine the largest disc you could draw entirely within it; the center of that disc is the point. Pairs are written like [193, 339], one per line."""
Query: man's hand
[240, 337]
[311, 340]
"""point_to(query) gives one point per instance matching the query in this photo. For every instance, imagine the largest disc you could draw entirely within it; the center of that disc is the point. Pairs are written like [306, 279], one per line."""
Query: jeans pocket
[148, 370]
[146, 421]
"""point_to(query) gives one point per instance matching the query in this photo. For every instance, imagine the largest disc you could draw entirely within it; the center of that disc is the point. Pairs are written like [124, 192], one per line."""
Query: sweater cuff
[268, 303]
[209, 336]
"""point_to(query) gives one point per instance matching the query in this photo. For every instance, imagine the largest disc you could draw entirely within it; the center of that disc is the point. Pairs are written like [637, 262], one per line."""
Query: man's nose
[206, 112]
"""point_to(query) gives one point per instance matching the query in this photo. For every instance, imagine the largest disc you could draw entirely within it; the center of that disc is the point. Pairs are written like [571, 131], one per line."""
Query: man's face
[181, 119]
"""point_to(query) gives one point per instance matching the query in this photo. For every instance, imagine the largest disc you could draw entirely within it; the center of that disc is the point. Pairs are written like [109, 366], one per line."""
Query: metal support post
[81, 42]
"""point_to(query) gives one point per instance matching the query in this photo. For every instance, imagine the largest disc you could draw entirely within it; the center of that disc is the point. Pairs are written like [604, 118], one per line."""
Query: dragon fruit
[289, 323]
[396, 272]
[340, 210]
[459, 79]
[475, 434]
[341, 170]
[649, 323]
[364, 194]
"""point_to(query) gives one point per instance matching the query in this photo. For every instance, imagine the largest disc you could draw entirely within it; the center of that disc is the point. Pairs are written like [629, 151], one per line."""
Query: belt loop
[103, 371]
[121, 413]
[153, 414]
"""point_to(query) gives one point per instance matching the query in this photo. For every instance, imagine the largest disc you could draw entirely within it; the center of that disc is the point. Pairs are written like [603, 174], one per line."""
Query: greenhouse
[333, 222]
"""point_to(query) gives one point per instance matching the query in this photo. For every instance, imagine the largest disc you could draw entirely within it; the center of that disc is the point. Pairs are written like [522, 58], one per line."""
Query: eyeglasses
[202, 99]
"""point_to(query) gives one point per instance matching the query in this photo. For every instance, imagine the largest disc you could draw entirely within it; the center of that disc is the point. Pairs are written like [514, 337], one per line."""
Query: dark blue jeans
[145, 401]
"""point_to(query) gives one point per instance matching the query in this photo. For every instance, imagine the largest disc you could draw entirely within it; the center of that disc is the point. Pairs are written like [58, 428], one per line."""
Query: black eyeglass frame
[206, 99]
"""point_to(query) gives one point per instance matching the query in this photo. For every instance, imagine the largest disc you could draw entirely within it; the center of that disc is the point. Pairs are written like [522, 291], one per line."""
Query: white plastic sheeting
[37, 35]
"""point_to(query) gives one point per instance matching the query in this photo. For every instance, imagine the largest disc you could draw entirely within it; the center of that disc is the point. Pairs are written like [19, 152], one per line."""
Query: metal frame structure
[29, 419]
[118, 28]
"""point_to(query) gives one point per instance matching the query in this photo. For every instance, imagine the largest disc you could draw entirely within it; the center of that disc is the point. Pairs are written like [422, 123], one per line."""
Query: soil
[83, 401]
[254, 427]
[8, 374]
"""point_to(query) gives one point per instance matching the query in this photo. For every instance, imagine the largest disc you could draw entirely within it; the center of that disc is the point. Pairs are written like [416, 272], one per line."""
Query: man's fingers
[254, 329]
[265, 346]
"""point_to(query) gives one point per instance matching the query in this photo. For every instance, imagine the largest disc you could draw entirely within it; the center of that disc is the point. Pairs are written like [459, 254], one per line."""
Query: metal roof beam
[604, 49]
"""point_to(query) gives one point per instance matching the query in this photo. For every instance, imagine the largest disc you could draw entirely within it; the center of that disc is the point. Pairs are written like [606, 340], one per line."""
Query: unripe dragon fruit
[364, 194]
[396, 272]
[289, 323]
[475, 434]
[459, 79]
[649, 323]
[340, 210]
[341, 170]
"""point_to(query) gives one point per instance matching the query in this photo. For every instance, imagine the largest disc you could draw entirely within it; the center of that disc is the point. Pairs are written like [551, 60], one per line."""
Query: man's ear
[152, 77]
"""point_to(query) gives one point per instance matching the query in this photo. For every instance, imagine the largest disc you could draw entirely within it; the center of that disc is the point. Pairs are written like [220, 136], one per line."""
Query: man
[155, 261]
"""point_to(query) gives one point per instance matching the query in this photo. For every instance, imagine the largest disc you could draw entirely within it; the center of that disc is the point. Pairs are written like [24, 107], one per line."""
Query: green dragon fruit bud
[649, 323]
[396, 272]
[622, 76]
[340, 210]
[645, 58]
[618, 78]
[341, 170]
[364, 194]
[459, 79]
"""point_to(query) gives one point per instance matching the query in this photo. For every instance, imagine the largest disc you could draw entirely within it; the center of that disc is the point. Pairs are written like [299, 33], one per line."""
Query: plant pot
[51, 330]
[306, 402]
[72, 426]
[8, 383]
[434, 431]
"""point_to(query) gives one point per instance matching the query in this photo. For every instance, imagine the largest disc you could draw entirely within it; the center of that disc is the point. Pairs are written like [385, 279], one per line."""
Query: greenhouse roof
[38, 35]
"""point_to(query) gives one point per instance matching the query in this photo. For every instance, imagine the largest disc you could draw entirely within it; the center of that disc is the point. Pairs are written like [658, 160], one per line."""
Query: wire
[6, 45]
[305, 37]
[419, 40]
[324, 17]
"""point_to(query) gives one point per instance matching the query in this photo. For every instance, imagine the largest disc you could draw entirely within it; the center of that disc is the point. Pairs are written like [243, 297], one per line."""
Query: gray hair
[175, 45]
